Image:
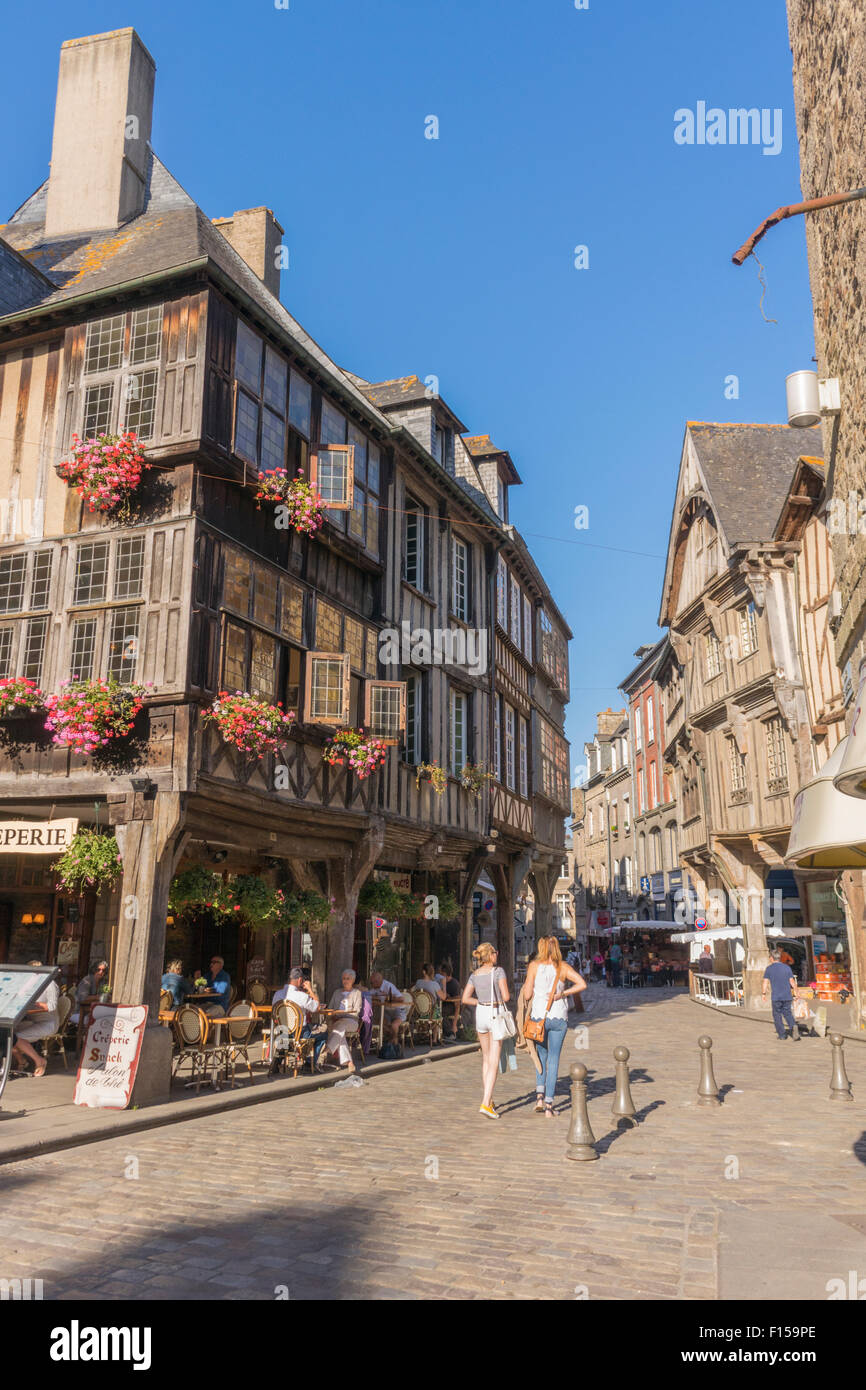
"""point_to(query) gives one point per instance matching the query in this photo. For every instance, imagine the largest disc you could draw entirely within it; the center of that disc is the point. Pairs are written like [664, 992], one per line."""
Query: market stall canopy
[642, 926]
[735, 933]
[828, 830]
[850, 772]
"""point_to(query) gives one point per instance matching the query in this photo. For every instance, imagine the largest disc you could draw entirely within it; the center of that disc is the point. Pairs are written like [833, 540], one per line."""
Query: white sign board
[19, 989]
[109, 1059]
[36, 836]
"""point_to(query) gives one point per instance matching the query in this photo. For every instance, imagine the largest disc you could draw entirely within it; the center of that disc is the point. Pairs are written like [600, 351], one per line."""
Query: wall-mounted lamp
[809, 397]
[39, 917]
[218, 855]
[145, 786]
[169, 921]
[27, 919]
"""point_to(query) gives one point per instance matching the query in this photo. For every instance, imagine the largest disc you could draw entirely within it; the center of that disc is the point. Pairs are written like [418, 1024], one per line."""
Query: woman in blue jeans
[546, 987]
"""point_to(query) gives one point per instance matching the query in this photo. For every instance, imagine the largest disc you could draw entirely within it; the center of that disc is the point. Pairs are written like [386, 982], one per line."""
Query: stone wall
[828, 42]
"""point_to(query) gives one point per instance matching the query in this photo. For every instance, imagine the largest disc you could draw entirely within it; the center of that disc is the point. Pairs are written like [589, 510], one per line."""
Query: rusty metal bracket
[793, 210]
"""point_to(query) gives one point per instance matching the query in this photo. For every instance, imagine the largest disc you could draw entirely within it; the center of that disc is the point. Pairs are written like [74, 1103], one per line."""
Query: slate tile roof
[748, 469]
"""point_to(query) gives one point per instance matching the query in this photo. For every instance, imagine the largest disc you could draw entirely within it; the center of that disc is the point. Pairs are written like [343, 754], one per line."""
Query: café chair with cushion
[243, 1018]
[258, 993]
[424, 1020]
[166, 1001]
[64, 1009]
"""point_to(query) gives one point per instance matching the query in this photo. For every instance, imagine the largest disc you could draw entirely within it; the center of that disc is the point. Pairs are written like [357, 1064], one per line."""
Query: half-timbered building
[123, 306]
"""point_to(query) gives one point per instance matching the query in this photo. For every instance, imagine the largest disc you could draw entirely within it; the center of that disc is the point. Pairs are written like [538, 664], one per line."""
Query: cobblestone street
[401, 1189]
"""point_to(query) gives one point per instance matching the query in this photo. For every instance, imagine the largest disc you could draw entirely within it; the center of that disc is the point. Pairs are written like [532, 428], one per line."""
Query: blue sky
[455, 256]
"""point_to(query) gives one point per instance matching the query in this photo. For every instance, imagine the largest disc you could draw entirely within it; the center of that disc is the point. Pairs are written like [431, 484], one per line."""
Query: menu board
[109, 1058]
[19, 989]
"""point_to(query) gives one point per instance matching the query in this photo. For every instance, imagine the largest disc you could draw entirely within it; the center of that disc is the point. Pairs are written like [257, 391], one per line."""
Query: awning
[736, 933]
[850, 772]
[829, 827]
[642, 926]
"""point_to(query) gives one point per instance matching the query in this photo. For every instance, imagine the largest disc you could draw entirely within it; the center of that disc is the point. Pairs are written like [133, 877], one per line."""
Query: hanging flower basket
[193, 887]
[379, 898]
[105, 470]
[303, 910]
[18, 696]
[87, 715]
[473, 776]
[363, 754]
[92, 860]
[250, 725]
[434, 774]
[303, 504]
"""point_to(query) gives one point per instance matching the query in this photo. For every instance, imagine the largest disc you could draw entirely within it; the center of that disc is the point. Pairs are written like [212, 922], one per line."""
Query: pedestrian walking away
[546, 988]
[782, 983]
[486, 988]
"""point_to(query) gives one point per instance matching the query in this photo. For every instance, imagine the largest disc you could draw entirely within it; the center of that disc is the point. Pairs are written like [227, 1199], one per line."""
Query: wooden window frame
[456, 543]
[328, 721]
[346, 505]
[369, 687]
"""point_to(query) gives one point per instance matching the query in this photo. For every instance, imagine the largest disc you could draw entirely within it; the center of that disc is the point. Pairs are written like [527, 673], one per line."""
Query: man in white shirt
[395, 1014]
[299, 992]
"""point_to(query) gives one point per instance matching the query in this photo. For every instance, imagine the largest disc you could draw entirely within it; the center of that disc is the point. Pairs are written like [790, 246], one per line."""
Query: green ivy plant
[380, 898]
[92, 860]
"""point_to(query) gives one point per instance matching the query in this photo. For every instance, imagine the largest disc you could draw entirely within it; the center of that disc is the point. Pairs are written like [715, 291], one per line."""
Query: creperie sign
[36, 836]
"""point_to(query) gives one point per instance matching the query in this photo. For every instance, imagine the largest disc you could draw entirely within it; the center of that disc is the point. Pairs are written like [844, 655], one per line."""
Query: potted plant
[86, 715]
[303, 505]
[105, 470]
[363, 753]
[432, 773]
[251, 726]
[91, 860]
[19, 696]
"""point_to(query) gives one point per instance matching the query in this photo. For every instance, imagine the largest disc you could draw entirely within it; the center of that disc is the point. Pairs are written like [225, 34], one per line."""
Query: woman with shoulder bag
[548, 1016]
[487, 991]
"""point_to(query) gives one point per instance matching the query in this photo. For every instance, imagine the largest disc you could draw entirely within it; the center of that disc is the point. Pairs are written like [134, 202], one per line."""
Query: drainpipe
[793, 210]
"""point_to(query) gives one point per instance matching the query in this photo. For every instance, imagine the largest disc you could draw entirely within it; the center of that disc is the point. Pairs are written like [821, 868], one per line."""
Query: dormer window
[501, 499]
[441, 443]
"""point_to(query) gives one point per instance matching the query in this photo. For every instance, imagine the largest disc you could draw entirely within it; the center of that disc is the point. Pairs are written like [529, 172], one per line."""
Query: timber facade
[158, 324]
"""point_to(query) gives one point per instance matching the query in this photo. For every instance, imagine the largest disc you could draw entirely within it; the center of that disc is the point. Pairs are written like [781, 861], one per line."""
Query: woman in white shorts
[487, 986]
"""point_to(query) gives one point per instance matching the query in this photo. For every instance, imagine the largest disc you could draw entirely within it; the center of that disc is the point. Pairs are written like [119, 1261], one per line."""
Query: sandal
[548, 1111]
[539, 1105]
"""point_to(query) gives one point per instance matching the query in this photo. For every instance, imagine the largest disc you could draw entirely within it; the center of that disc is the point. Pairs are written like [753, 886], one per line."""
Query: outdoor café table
[218, 1024]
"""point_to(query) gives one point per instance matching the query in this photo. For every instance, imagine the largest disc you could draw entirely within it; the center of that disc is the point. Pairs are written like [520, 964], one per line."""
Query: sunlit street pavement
[400, 1189]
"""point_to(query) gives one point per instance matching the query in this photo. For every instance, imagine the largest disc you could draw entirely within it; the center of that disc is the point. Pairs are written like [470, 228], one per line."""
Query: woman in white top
[347, 1002]
[545, 987]
[487, 986]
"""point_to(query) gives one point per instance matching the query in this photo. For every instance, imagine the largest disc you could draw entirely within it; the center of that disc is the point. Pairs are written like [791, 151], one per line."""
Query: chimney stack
[102, 123]
[256, 235]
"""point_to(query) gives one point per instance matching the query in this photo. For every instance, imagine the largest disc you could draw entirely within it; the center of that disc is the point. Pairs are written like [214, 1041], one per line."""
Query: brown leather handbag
[533, 1028]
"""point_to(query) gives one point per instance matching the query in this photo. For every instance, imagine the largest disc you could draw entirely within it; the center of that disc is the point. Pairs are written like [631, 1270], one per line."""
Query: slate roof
[748, 470]
[171, 232]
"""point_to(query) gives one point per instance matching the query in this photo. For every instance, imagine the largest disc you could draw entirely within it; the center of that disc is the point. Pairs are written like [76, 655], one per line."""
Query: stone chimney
[256, 235]
[102, 121]
[609, 720]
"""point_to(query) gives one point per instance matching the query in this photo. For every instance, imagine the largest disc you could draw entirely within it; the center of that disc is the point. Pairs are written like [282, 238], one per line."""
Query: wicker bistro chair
[425, 1022]
[166, 1001]
[190, 1030]
[286, 1044]
[258, 993]
[64, 1009]
[405, 1031]
[240, 1034]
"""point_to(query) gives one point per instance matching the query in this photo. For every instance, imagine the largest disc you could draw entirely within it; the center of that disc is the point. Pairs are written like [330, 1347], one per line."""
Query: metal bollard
[581, 1140]
[708, 1091]
[840, 1086]
[623, 1105]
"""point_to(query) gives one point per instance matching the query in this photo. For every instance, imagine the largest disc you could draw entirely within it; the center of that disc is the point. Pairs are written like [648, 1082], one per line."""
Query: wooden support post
[151, 838]
[346, 877]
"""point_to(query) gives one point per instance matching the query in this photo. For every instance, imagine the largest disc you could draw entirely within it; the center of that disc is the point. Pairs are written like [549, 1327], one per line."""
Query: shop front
[650, 952]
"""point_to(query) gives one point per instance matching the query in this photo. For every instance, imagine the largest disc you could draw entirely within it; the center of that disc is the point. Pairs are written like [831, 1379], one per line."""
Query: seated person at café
[40, 1021]
[453, 995]
[173, 981]
[217, 981]
[395, 1014]
[87, 990]
[299, 992]
[347, 1003]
